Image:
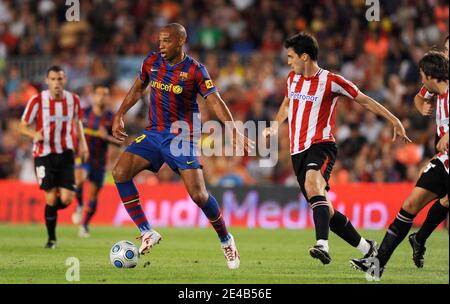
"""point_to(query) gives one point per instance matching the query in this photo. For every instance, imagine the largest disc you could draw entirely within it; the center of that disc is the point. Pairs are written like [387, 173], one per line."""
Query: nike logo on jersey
[190, 162]
[311, 164]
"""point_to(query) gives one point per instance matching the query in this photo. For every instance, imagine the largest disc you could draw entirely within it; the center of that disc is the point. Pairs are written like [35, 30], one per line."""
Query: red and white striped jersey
[312, 107]
[442, 110]
[443, 157]
[56, 118]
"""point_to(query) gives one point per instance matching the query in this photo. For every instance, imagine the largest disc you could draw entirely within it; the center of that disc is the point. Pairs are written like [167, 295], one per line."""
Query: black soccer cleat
[367, 265]
[318, 252]
[51, 244]
[418, 251]
[373, 251]
[361, 264]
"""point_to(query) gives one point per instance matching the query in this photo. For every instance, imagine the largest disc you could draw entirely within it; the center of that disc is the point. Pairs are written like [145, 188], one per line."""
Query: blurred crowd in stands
[241, 43]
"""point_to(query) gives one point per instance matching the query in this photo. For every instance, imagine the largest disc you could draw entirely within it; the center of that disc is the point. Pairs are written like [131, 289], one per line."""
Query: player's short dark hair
[178, 28]
[435, 65]
[54, 68]
[303, 43]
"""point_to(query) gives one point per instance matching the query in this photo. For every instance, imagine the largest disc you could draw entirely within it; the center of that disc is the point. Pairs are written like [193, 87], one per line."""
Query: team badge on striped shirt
[183, 76]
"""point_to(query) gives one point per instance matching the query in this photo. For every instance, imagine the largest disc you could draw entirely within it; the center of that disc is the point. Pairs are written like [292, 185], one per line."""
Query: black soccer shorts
[321, 157]
[434, 178]
[56, 170]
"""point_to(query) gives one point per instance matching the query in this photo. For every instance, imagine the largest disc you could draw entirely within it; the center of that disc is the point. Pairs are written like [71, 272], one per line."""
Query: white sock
[363, 246]
[324, 243]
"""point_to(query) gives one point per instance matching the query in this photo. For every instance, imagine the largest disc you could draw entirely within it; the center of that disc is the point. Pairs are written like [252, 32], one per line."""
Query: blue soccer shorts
[178, 152]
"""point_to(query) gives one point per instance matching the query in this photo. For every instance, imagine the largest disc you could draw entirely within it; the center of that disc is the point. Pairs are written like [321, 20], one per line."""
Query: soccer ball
[124, 254]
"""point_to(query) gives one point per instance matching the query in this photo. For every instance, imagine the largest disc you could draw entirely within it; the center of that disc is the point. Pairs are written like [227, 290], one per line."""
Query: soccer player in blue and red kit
[97, 122]
[175, 80]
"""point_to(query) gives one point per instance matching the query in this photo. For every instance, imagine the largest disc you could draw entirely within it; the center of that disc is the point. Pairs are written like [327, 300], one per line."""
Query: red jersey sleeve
[342, 86]
[288, 84]
[425, 93]
[30, 112]
[78, 112]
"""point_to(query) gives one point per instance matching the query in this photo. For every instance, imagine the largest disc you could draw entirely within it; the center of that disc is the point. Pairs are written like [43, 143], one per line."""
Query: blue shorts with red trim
[177, 151]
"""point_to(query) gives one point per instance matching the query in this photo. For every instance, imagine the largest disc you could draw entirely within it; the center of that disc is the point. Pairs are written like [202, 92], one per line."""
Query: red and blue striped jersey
[173, 94]
[98, 147]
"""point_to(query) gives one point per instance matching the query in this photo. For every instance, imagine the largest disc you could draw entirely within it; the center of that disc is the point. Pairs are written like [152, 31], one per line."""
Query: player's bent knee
[120, 174]
[50, 199]
[314, 183]
[410, 206]
[51, 202]
[313, 188]
[93, 193]
[67, 199]
[200, 198]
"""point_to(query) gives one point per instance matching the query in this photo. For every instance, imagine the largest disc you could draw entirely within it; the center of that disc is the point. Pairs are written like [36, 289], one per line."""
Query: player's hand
[400, 131]
[442, 145]
[240, 140]
[271, 131]
[118, 129]
[38, 136]
[427, 109]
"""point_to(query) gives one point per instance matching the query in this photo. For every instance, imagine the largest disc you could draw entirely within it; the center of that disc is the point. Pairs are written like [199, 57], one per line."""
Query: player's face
[56, 82]
[101, 96]
[169, 45]
[430, 84]
[295, 61]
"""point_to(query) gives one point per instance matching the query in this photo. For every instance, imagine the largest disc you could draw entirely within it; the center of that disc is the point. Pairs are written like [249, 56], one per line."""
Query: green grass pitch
[194, 256]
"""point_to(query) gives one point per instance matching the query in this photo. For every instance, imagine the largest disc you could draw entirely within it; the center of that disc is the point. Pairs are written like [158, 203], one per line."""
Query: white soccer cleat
[231, 253]
[76, 216]
[149, 239]
[83, 232]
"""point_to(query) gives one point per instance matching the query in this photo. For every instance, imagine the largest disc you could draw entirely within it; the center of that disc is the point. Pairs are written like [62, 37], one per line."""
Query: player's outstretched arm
[223, 113]
[136, 92]
[378, 109]
[280, 118]
[423, 105]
